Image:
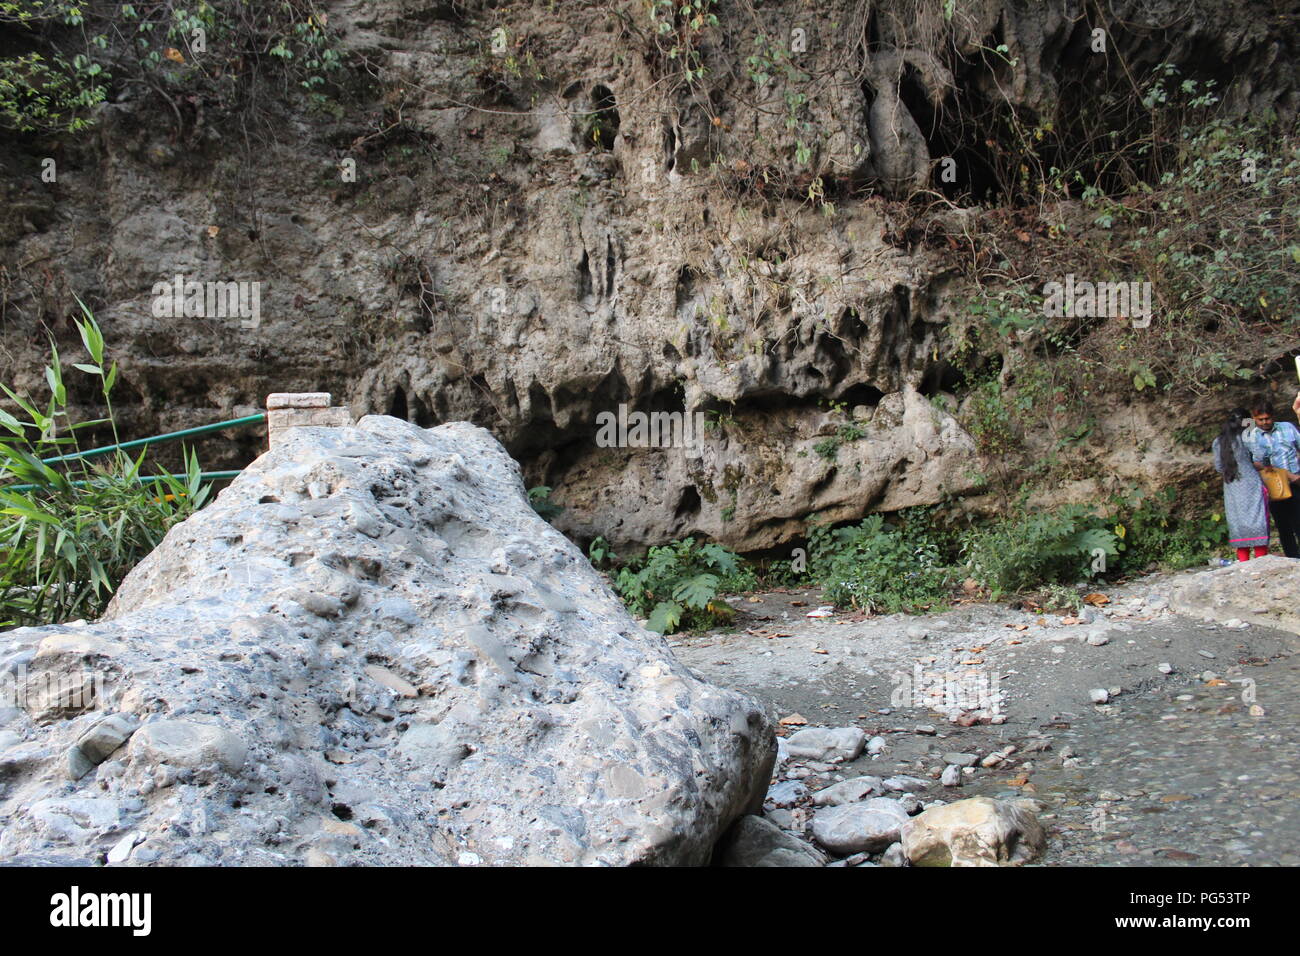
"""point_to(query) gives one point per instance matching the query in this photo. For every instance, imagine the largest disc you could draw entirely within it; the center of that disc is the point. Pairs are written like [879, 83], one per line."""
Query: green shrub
[677, 585]
[66, 544]
[64, 57]
[540, 499]
[878, 567]
[1151, 531]
[1034, 549]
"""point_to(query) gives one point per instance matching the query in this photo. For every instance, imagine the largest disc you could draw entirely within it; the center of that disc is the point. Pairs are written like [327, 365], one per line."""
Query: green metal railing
[153, 440]
[159, 439]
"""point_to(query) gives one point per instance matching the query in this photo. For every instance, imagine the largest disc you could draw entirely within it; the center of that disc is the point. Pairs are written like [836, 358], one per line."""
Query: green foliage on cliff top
[67, 57]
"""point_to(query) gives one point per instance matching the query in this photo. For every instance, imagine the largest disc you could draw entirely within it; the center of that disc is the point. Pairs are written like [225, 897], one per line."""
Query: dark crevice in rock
[584, 278]
[397, 405]
[604, 121]
[688, 504]
[861, 394]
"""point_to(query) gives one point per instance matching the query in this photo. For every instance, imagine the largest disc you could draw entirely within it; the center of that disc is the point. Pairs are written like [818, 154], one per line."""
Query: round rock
[183, 743]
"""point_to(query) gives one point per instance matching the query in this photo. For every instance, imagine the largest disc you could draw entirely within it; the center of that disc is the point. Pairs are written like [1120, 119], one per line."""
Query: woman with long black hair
[1245, 500]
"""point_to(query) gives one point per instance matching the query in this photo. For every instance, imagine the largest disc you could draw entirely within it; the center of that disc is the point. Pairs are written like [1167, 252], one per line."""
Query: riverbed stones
[827, 743]
[869, 826]
[848, 791]
[753, 841]
[905, 783]
[786, 794]
[894, 856]
[975, 832]
[467, 684]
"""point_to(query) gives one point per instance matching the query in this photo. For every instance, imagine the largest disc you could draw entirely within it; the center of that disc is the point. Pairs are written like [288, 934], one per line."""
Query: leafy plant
[599, 552]
[1151, 532]
[540, 498]
[69, 534]
[678, 585]
[1036, 548]
[67, 55]
[827, 448]
[878, 567]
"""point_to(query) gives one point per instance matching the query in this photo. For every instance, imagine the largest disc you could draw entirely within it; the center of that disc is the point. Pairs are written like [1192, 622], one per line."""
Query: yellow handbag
[1277, 483]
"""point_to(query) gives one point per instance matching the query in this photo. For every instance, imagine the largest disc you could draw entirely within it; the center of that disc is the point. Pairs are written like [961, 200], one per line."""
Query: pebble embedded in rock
[121, 850]
[106, 736]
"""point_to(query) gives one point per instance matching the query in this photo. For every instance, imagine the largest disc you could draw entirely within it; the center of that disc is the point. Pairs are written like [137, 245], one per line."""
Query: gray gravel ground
[1174, 770]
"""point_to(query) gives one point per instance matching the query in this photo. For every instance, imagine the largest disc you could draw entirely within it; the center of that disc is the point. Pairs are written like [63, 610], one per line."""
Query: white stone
[825, 743]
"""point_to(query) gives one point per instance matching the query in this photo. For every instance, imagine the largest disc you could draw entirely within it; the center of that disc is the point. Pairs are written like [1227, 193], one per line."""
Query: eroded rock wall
[545, 228]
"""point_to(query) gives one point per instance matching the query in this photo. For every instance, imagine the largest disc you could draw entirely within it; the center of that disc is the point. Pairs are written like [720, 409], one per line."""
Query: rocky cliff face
[553, 215]
[369, 649]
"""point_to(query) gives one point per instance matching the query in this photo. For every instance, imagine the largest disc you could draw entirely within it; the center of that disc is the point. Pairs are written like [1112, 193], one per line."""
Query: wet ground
[1198, 766]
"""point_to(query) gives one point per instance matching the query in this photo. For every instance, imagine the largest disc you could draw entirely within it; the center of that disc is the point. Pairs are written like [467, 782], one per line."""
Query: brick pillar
[286, 410]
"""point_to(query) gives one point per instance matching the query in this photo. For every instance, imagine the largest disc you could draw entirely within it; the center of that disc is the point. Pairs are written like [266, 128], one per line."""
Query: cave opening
[397, 405]
[604, 120]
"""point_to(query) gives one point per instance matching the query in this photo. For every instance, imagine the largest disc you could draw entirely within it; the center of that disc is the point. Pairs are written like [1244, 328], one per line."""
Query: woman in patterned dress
[1245, 500]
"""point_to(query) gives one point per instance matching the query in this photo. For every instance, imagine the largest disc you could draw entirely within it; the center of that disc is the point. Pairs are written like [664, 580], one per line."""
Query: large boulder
[370, 649]
[1260, 591]
[975, 832]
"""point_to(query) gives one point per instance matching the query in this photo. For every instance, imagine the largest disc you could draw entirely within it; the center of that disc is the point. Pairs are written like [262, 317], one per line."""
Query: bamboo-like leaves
[66, 544]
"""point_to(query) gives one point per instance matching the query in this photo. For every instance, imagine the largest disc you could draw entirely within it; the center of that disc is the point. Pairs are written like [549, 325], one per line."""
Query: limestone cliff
[559, 209]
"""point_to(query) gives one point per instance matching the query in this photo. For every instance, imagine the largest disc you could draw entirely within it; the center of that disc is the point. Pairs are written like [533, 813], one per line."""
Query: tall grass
[67, 543]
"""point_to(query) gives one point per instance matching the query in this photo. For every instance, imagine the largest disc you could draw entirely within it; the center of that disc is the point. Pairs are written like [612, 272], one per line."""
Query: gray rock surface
[786, 794]
[848, 791]
[869, 826]
[1257, 592]
[827, 743]
[753, 841]
[370, 649]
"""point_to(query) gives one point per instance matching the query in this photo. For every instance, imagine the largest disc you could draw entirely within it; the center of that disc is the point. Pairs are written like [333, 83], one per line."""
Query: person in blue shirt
[1277, 444]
